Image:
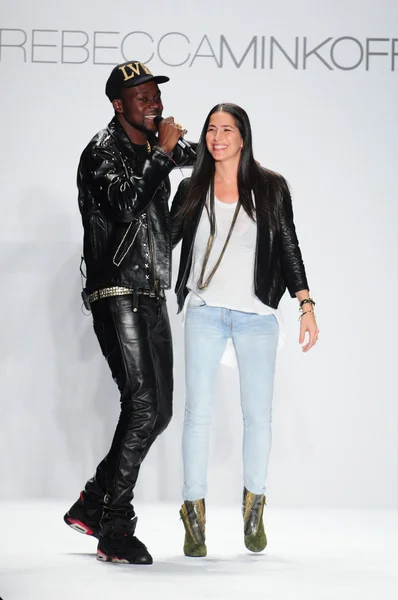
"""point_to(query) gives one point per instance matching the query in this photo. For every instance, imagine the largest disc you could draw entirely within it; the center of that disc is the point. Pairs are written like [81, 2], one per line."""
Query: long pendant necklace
[201, 284]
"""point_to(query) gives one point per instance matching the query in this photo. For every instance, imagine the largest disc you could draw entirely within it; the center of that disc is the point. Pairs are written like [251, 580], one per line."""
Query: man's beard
[140, 127]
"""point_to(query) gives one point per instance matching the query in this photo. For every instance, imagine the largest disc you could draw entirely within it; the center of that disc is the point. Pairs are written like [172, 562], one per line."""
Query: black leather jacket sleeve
[291, 259]
[181, 158]
[177, 224]
[116, 184]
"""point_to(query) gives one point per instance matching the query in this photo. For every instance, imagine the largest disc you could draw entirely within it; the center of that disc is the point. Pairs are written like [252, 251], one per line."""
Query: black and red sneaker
[118, 544]
[84, 515]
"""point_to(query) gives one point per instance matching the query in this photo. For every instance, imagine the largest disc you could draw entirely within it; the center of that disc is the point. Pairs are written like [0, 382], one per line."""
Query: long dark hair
[250, 175]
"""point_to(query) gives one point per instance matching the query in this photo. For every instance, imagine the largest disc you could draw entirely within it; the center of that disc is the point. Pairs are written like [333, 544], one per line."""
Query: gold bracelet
[307, 301]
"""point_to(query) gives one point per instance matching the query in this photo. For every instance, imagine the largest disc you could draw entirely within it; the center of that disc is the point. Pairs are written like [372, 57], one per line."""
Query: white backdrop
[319, 81]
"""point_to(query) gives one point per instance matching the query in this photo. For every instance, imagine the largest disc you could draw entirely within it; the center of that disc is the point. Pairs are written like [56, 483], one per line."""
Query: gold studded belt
[122, 291]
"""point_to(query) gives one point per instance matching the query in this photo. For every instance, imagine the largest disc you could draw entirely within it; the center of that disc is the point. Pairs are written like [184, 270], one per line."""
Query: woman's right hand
[308, 325]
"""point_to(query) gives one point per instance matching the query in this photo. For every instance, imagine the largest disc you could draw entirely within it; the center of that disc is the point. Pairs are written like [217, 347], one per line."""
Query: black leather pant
[138, 349]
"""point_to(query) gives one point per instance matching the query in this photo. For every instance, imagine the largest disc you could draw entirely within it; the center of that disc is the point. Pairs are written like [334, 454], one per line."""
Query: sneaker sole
[101, 556]
[80, 526]
[104, 558]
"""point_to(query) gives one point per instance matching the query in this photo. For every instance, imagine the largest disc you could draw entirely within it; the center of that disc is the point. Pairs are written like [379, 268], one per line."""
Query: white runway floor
[311, 555]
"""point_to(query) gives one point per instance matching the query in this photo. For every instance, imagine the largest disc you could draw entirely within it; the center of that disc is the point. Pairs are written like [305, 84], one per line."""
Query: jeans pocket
[196, 301]
[122, 303]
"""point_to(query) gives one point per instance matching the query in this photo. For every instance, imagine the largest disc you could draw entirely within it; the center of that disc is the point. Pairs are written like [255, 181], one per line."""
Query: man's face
[139, 106]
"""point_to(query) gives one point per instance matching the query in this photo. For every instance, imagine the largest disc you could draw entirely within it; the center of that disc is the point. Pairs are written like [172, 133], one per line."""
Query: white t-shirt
[232, 285]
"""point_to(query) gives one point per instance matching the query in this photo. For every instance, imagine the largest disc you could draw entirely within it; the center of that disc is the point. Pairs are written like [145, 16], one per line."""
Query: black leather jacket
[278, 262]
[123, 200]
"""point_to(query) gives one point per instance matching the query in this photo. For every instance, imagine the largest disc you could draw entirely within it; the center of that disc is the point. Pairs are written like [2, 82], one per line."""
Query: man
[124, 189]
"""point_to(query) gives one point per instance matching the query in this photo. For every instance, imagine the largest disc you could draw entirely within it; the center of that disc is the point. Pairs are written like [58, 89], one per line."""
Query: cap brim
[155, 78]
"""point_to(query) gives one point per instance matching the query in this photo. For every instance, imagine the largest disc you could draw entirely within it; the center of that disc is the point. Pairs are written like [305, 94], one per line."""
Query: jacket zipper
[150, 239]
[155, 281]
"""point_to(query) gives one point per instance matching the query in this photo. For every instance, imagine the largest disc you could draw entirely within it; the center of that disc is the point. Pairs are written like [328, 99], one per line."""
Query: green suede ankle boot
[253, 508]
[193, 516]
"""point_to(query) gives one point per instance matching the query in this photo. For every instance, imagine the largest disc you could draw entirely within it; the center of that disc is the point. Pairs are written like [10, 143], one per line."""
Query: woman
[239, 253]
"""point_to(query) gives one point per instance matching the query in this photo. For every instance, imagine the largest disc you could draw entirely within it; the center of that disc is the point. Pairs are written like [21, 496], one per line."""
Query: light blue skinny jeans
[255, 338]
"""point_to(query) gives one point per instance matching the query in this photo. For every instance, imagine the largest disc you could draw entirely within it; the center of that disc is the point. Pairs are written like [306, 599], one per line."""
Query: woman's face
[223, 138]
